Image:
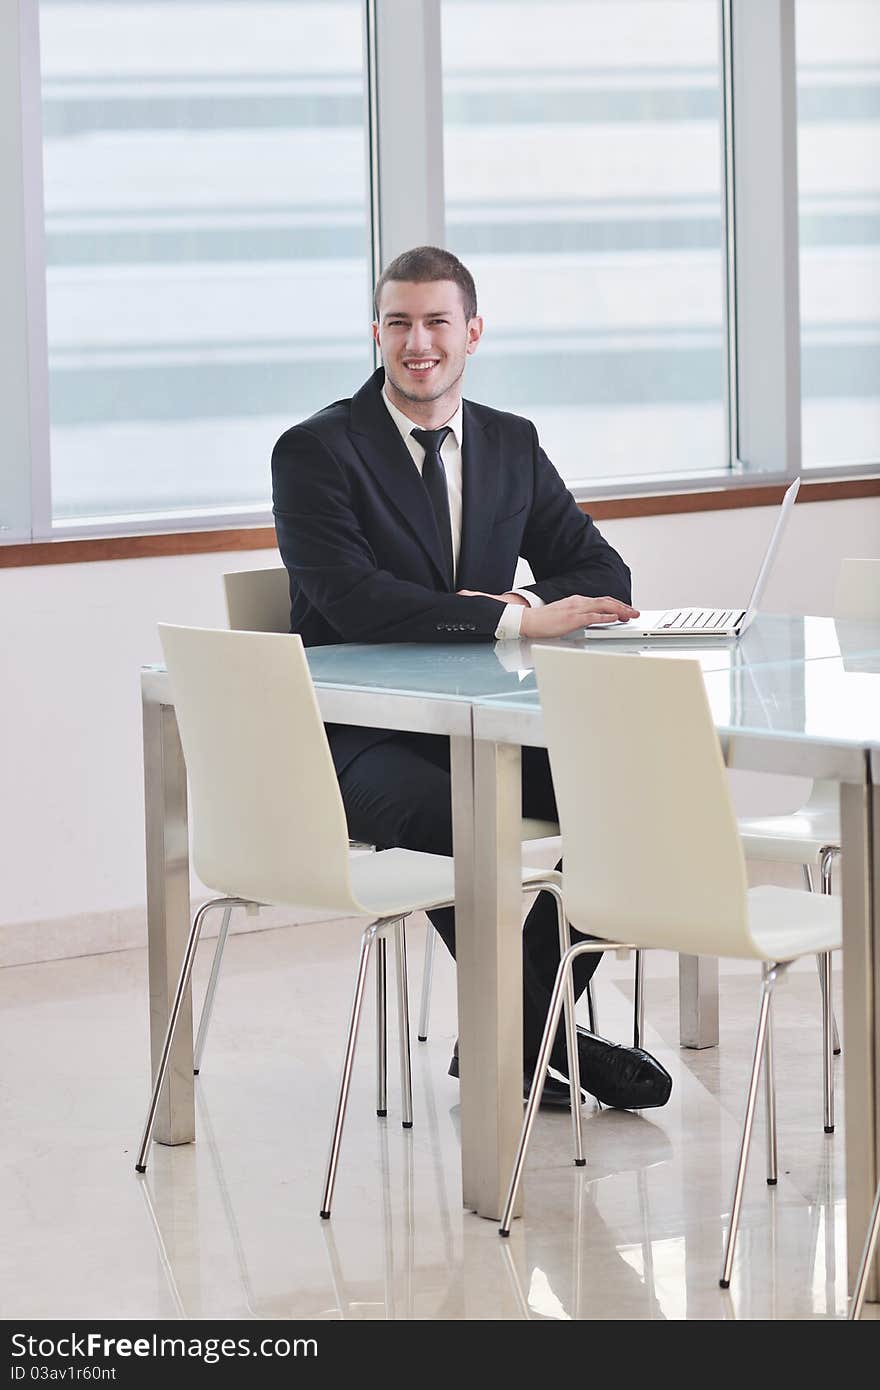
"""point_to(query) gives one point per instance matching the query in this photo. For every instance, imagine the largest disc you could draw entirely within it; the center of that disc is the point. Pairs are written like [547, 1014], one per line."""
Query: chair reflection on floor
[395, 1289]
[164, 1257]
[828, 1219]
[281, 1304]
[860, 1287]
[592, 1242]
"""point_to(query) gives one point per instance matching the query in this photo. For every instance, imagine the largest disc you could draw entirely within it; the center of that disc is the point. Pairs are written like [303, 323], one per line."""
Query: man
[400, 516]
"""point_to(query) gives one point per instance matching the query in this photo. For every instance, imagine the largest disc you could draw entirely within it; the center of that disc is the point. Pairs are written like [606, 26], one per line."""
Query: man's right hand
[570, 614]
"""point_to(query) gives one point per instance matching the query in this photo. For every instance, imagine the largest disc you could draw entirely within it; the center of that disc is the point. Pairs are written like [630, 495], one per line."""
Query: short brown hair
[423, 264]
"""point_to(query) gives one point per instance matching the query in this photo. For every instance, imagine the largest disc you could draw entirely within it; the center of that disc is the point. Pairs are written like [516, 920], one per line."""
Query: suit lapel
[377, 440]
[481, 472]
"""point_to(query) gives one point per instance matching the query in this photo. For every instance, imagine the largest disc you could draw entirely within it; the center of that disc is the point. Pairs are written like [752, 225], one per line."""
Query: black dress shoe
[555, 1095]
[626, 1078]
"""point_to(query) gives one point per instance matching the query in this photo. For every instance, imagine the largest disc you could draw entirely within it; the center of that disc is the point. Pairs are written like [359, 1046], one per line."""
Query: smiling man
[400, 516]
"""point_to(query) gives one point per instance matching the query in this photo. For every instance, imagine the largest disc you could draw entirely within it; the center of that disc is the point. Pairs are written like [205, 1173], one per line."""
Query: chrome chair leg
[427, 977]
[369, 936]
[592, 1010]
[861, 1284]
[824, 962]
[571, 1047]
[534, 1101]
[825, 864]
[767, 982]
[639, 1000]
[403, 1024]
[183, 981]
[770, 1101]
[208, 1005]
[381, 1030]
[835, 1036]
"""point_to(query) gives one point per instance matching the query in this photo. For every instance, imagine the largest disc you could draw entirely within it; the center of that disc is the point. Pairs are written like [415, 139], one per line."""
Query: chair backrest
[857, 592]
[258, 600]
[268, 820]
[649, 840]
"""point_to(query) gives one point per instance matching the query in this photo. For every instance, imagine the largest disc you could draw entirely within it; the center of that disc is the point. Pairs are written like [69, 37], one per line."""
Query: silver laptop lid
[770, 554]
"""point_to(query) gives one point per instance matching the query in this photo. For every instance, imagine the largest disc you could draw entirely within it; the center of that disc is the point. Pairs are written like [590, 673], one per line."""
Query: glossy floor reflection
[228, 1228]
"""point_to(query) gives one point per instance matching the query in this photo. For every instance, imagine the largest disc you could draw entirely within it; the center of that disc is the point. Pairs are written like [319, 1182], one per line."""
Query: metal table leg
[486, 796]
[698, 1001]
[860, 840]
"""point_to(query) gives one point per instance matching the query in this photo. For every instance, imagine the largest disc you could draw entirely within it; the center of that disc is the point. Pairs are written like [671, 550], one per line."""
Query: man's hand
[569, 614]
[502, 598]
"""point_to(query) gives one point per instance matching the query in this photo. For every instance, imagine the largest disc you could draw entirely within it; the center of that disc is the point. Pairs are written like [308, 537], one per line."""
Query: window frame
[403, 154]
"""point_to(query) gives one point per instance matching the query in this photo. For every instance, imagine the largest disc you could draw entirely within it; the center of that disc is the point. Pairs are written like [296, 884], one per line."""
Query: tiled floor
[229, 1227]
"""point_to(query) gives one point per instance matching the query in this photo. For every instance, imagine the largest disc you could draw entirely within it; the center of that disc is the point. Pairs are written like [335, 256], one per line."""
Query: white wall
[712, 557]
[75, 636]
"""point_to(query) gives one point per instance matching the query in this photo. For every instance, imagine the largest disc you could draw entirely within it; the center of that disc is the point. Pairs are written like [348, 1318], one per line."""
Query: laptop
[704, 622]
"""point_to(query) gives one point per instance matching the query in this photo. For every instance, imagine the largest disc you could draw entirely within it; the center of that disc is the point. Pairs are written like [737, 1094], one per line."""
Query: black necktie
[434, 478]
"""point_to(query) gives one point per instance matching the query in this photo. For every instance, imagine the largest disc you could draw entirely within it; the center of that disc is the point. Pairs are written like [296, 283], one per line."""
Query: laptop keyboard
[699, 619]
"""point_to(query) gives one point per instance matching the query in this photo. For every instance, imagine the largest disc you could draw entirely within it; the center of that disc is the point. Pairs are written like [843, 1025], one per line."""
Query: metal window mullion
[728, 223]
[764, 296]
[371, 131]
[25, 505]
[35, 272]
[408, 147]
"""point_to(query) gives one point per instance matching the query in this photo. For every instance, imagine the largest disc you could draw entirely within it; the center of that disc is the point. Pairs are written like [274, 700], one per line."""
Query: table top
[473, 670]
[809, 685]
[810, 682]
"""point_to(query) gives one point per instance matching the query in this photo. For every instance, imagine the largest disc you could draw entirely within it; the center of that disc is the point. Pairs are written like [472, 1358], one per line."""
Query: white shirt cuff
[531, 599]
[510, 622]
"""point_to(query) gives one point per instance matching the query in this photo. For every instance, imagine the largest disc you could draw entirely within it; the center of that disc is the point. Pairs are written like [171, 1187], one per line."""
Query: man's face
[425, 339]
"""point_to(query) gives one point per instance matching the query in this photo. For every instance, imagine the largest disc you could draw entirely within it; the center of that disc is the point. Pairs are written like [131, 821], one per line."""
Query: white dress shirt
[450, 452]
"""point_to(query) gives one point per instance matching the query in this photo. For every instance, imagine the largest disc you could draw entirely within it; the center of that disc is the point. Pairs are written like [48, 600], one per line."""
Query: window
[215, 178]
[206, 244]
[838, 93]
[583, 174]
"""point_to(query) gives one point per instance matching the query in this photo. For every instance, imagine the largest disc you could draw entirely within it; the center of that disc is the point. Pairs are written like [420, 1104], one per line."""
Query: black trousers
[398, 794]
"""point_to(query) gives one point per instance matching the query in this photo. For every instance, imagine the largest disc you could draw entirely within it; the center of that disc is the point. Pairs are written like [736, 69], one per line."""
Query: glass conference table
[797, 695]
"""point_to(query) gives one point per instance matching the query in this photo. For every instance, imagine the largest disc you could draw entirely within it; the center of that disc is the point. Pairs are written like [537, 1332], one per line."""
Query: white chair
[811, 836]
[259, 601]
[269, 828]
[256, 601]
[626, 878]
[857, 592]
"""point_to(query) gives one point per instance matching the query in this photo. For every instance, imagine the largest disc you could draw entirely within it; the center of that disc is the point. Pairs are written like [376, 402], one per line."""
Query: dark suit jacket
[357, 533]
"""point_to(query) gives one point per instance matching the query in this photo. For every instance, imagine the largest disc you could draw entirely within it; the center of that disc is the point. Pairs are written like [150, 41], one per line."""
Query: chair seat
[403, 880]
[787, 923]
[798, 838]
[538, 829]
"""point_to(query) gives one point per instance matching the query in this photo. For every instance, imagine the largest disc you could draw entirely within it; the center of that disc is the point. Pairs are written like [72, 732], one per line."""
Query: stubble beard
[410, 395]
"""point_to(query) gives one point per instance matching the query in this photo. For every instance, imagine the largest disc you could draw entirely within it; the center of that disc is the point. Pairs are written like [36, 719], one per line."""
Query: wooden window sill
[152, 545]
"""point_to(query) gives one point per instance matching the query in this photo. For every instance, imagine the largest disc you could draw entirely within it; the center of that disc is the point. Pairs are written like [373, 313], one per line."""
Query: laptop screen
[770, 553]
